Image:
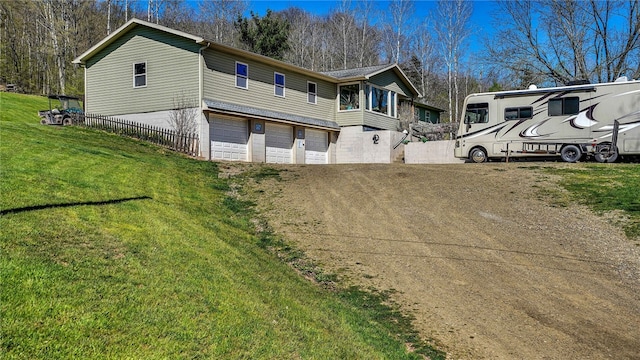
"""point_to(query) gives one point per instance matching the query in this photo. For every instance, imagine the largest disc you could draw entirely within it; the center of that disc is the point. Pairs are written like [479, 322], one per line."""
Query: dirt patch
[492, 260]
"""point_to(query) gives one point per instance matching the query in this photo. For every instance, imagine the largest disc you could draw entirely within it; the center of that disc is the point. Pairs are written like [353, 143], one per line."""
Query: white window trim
[146, 72]
[315, 94]
[237, 75]
[359, 89]
[368, 98]
[284, 85]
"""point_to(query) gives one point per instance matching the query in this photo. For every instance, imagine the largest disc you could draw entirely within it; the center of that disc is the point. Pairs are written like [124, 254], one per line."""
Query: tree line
[544, 42]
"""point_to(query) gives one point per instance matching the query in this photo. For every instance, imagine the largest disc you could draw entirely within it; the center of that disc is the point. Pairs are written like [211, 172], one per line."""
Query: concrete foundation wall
[357, 146]
[431, 152]
[157, 118]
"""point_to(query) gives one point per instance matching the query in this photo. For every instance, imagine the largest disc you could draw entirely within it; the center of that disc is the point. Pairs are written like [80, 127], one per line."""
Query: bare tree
[184, 116]
[400, 12]
[452, 30]
[342, 23]
[369, 39]
[424, 60]
[556, 41]
[299, 36]
[216, 19]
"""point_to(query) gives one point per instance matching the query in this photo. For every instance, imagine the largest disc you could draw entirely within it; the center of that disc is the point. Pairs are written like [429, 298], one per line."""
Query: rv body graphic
[599, 120]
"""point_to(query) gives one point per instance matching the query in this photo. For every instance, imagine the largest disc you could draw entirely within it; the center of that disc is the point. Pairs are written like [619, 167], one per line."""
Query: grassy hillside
[112, 248]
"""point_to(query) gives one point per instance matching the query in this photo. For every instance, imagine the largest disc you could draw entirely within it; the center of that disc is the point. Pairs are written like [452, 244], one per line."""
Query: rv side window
[477, 113]
[564, 106]
[518, 113]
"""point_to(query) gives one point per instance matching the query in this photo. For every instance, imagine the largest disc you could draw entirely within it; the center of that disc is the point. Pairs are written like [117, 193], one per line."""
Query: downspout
[84, 98]
[203, 121]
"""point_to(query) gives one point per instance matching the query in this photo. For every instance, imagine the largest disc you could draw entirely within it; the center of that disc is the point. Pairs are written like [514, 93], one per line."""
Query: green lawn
[112, 248]
[607, 187]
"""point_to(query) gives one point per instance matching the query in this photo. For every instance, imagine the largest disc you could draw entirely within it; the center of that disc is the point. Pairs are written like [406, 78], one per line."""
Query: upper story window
[278, 84]
[350, 97]
[242, 75]
[564, 106]
[477, 113]
[381, 100]
[312, 92]
[518, 113]
[140, 74]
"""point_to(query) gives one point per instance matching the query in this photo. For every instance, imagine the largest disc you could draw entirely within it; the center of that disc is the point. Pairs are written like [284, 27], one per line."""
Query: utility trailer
[63, 112]
[573, 122]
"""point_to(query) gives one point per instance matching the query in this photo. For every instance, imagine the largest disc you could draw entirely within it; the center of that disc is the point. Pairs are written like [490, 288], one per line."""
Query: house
[250, 107]
[427, 113]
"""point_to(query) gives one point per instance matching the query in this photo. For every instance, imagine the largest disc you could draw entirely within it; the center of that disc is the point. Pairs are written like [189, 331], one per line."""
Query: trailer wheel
[570, 153]
[478, 155]
[604, 153]
[66, 121]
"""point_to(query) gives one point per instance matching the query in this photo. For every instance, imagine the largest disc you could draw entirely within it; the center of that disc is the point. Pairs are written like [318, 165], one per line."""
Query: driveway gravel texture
[493, 260]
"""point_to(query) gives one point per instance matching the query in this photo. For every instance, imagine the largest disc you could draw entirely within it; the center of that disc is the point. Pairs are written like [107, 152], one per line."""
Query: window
[477, 113]
[278, 84]
[423, 114]
[312, 93]
[350, 97]
[140, 74]
[564, 106]
[518, 113]
[242, 75]
[381, 100]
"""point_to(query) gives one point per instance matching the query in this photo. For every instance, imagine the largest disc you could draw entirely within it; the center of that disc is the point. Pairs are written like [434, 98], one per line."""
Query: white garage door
[228, 139]
[279, 139]
[317, 144]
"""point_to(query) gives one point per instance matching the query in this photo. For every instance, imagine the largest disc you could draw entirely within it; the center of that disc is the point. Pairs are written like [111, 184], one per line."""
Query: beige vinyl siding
[380, 121]
[350, 118]
[390, 81]
[219, 84]
[172, 68]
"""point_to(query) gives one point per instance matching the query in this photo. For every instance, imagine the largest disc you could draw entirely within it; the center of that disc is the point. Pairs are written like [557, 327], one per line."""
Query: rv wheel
[605, 154]
[570, 153]
[478, 155]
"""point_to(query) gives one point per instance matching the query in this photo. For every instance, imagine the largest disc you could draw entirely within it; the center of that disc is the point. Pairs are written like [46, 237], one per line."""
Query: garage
[317, 144]
[229, 139]
[278, 139]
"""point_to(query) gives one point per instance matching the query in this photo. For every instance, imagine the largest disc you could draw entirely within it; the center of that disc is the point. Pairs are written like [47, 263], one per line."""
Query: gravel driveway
[492, 259]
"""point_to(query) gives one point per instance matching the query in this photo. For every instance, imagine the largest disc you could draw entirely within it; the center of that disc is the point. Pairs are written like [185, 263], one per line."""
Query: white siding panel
[279, 139]
[317, 145]
[229, 139]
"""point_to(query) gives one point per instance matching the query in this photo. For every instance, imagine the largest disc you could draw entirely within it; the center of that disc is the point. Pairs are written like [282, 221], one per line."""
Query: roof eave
[123, 30]
[393, 67]
[407, 81]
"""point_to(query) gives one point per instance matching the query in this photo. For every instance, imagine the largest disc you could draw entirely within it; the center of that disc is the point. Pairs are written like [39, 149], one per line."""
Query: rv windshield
[476, 113]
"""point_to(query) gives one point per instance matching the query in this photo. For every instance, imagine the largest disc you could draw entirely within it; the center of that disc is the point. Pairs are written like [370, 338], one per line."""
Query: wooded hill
[547, 42]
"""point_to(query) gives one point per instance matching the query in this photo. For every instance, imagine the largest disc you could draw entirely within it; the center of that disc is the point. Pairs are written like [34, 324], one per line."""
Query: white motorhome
[599, 120]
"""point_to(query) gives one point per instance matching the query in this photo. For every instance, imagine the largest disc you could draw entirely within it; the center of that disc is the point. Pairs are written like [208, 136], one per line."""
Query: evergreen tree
[266, 35]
